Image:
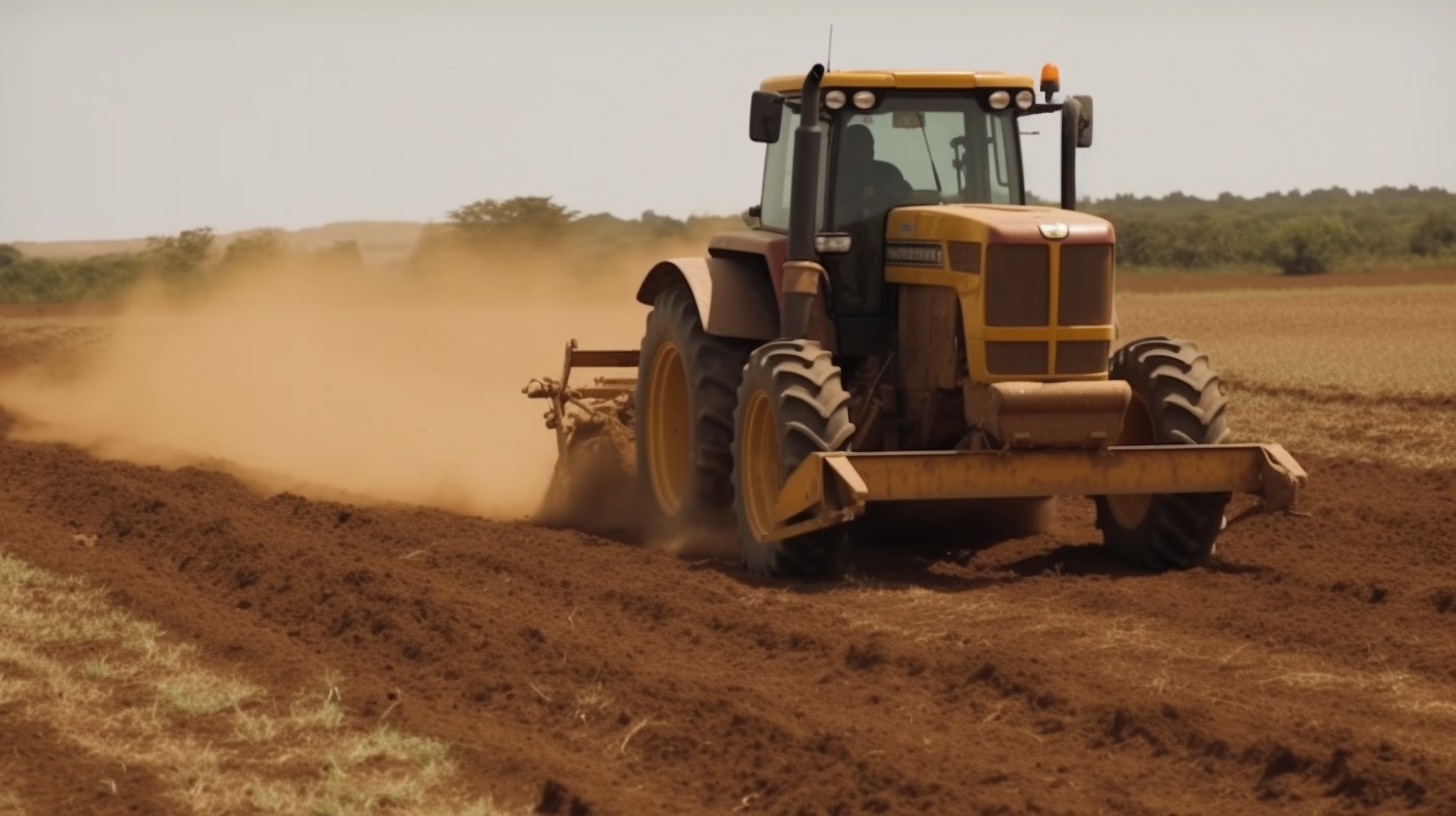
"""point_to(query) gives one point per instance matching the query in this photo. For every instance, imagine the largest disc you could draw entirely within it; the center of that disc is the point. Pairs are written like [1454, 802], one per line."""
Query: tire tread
[812, 408]
[1188, 404]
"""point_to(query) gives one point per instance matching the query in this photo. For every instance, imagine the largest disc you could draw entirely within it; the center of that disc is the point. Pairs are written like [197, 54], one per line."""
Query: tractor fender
[734, 298]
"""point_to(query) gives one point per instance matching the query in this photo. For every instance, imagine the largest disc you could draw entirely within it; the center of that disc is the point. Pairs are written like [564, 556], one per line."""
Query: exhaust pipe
[801, 269]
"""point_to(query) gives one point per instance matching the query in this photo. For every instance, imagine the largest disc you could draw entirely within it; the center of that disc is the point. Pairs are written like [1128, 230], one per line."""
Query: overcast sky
[135, 117]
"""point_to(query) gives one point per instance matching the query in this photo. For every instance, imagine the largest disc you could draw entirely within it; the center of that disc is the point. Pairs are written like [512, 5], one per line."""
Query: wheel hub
[760, 466]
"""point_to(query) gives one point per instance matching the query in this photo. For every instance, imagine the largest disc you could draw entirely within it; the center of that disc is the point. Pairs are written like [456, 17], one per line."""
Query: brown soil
[53, 778]
[1312, 663]
[1311, 667]
[77, 309]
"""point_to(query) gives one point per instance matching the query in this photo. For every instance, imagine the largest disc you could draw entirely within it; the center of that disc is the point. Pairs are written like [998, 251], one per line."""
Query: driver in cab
[863, 180]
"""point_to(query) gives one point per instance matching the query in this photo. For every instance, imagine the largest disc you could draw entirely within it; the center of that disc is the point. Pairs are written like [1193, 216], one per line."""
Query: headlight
[864, 100]
[834, 100]
[1053, 230]
[832, 242]
[1024, 99]
[1000, 99]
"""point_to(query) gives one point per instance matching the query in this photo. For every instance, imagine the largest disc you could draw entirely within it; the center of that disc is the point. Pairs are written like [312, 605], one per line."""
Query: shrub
[1436, 234]
[1311, 244]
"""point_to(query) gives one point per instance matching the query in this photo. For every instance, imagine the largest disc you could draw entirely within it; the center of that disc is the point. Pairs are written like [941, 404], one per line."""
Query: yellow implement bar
[835, 487]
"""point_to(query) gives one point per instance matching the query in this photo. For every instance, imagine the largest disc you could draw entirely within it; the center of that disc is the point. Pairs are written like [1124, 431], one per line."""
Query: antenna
[829, 59]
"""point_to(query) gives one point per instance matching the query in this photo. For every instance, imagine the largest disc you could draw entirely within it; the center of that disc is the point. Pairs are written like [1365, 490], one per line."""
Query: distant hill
[380, 242]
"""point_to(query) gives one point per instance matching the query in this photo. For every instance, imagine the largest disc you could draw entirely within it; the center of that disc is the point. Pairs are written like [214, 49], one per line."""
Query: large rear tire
[687, 386]
[791, 403]
[1177, 399]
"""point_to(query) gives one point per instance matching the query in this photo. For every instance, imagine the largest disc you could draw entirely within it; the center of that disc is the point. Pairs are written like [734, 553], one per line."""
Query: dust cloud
[364, 386]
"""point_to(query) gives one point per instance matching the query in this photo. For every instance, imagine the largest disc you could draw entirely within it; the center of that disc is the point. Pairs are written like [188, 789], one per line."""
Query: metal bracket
[590, 401]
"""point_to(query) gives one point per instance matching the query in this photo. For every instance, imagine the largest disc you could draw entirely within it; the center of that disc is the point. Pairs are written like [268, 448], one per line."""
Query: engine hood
[995, 223]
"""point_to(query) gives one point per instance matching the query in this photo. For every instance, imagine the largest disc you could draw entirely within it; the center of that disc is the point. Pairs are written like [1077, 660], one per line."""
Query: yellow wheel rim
[759, 448]
[669, 430]
[1129, 509]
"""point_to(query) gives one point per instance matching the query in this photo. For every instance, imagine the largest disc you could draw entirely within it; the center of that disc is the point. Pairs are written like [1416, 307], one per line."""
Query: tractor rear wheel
[1177, 398]
[791, 403]
[687, 385]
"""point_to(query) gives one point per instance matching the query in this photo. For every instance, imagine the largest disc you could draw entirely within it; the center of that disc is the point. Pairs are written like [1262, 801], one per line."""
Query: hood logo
[914, 253]
[1054, 231]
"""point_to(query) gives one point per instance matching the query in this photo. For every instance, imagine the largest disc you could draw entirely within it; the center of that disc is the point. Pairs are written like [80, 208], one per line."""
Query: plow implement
[573, 407]
[835, 488]
[592, 485]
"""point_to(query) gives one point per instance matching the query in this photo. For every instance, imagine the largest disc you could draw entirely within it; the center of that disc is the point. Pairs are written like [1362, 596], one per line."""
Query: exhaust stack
[802, 270]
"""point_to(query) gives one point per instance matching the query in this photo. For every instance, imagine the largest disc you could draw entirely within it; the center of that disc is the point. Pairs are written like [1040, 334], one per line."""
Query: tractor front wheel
[1177, 398]
[791, 403]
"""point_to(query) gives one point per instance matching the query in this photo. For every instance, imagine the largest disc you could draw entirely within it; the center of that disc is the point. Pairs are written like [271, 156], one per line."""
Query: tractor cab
[893, 139]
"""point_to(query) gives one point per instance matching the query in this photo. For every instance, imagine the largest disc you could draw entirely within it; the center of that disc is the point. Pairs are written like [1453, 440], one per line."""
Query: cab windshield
[923, 149]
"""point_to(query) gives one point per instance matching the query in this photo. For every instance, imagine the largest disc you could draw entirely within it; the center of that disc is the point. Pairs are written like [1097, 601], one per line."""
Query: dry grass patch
[1372, 340]
[118, 688]
[1407, 432]
[1365, 372]
[51, 345]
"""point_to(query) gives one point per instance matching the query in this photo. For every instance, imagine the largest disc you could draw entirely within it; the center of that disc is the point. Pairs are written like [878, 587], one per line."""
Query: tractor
[898, 325]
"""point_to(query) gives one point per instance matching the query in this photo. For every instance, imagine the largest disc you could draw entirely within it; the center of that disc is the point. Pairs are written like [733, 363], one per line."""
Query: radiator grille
[965, 256]
[1084, 295]
[1082, 356]
[1018, 285]
[1016, 358]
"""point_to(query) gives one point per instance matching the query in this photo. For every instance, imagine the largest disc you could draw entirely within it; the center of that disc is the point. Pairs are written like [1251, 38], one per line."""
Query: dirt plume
[366, 385]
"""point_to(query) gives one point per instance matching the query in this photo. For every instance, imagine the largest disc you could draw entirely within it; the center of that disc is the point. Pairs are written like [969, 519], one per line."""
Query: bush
[1311, 244]
[180, 259]
[252, 250]
[42, 280]
[1436, 234]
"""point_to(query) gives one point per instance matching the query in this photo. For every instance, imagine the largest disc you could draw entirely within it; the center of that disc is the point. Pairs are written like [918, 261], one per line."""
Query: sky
[127, 118]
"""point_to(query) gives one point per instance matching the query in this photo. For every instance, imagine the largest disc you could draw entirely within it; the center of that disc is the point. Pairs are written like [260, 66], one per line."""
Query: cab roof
[914, 78]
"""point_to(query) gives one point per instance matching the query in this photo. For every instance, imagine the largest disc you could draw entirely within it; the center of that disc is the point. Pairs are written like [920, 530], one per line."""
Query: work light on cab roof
[1051, 80]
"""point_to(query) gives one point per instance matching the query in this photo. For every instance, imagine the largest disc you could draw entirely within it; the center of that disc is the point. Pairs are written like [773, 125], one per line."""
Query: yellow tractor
[900, 326]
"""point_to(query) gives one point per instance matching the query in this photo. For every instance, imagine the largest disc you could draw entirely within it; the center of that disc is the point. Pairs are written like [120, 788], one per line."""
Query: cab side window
[998, 130]
[778, 171]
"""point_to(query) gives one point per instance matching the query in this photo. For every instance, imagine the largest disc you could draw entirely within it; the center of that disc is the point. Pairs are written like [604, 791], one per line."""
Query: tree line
[537, 226]
[1290, 232]
[182, 263]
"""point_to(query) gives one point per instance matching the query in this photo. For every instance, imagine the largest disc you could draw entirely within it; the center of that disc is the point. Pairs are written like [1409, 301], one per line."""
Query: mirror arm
[1071, 116]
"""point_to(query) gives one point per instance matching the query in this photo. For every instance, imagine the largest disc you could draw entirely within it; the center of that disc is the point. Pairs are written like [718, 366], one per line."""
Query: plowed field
[1310, 668]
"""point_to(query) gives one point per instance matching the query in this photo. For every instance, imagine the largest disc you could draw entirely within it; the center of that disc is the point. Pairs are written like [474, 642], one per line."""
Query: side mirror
[1084, 121]
[765, 117]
